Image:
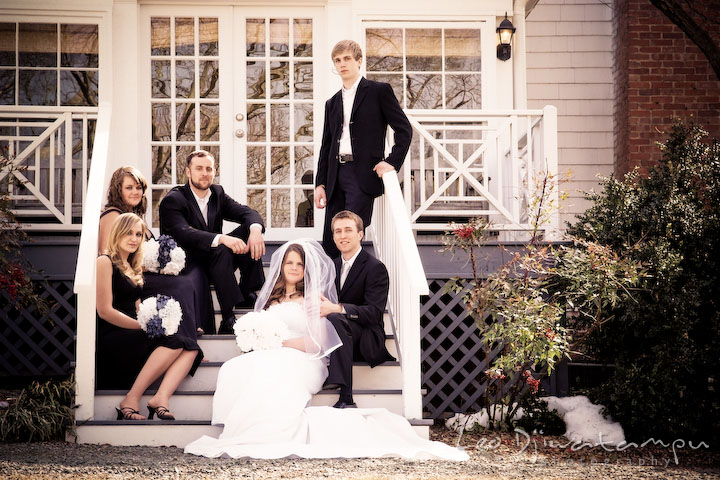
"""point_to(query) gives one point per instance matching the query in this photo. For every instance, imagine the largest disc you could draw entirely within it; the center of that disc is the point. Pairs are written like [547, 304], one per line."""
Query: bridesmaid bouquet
[260, 331]
[163, 256]
[159, 316]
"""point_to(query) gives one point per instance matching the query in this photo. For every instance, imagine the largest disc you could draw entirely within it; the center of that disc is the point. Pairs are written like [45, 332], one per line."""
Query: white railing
[467, 163]
[396, 247]
[54, 145]
[84, 285]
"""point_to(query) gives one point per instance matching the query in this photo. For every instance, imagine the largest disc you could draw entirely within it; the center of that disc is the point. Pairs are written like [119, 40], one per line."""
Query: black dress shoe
[226, 327]
[247, 302]
[341, 404]
[331, 386]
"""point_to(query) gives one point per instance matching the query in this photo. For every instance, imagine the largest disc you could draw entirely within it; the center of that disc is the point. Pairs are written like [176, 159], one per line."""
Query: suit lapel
[213, 206]
[359, 96]
[338, 266]
[355, 270]
[337, 110]
[194, 208]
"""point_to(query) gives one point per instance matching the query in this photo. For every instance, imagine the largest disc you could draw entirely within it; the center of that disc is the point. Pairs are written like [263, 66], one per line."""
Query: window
[49, 64]
[429, 67]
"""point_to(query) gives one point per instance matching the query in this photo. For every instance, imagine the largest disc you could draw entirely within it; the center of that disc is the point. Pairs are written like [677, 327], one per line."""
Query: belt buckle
[341, 159]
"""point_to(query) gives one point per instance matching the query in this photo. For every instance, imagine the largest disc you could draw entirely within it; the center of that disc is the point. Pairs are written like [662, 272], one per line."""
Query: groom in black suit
[351, 160]
[362, 284]
[193, 215]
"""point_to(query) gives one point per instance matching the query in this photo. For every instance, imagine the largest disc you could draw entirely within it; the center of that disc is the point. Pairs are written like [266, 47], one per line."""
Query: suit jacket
[364, 296]
[180, 217]
[375, 108]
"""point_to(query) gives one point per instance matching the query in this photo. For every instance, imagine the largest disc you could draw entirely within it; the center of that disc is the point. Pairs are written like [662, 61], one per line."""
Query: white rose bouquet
[163, 256]
[259, 331]
[159, 316]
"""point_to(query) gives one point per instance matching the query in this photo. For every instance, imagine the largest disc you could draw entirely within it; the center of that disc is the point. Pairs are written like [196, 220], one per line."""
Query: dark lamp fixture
[505, 32]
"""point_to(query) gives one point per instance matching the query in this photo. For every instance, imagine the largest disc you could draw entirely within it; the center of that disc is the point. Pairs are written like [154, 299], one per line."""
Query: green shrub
[537, 417]
[666, 345]
[40, 412]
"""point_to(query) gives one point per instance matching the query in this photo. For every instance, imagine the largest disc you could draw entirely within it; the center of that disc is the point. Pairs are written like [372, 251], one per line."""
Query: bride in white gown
[262, 397]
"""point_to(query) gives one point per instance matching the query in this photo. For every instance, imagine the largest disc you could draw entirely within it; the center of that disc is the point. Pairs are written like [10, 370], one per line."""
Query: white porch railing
[54, 143]
[395, 246]
[467, 163]
[84, 285]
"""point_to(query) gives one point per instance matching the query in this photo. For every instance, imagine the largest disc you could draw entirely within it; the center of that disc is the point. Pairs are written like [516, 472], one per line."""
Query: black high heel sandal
[162, 413]
[126, 413]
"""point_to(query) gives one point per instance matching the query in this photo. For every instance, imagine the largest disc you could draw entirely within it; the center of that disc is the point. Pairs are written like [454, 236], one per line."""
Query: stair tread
[120, 423]
[229, 336]
[377, 391]
[359, 364]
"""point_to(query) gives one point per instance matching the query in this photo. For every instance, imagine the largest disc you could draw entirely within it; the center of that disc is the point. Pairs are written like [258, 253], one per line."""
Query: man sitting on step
[193, 214]
[362, 284]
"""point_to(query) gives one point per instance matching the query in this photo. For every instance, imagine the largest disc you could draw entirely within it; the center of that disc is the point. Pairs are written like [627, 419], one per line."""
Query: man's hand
[382, 168]
[256, 243]
[327, 307]
[320, 198]
[233, 243]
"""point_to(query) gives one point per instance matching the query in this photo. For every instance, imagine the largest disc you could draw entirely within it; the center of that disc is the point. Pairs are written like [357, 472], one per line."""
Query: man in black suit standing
[351, 160]
[362, 284]
[193, 215]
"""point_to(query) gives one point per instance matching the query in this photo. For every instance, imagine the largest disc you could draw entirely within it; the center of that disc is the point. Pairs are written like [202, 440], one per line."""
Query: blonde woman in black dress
[126, 357]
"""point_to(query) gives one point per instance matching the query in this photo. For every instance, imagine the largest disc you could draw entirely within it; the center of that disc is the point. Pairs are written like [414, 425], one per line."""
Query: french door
[239, 82]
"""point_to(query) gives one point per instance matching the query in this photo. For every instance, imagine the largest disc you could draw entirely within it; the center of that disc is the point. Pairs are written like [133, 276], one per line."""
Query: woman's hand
[327, 307]
[296, 343]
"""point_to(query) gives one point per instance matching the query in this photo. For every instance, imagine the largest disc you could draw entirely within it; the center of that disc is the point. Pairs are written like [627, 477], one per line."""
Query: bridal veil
[321, 338]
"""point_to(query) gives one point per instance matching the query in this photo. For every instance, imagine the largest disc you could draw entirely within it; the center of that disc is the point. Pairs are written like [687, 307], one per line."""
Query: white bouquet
[159, 316]
[163, 256]
[260, 331]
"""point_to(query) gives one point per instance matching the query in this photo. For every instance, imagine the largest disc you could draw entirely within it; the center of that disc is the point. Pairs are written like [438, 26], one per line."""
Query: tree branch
[700, 37]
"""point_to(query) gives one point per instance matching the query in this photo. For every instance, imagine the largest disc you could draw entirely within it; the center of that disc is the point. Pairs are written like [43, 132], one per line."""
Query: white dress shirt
[346, 266]
[348, 99]
[203, 205]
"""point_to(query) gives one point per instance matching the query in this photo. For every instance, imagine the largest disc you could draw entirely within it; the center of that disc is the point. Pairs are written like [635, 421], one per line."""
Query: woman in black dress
[126, 193]
[123, 349]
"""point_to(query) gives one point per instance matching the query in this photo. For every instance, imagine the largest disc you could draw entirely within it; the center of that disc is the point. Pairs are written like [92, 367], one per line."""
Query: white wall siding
[569, 65]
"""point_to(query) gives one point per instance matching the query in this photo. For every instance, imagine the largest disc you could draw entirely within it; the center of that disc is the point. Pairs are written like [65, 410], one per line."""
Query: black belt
[343, 159]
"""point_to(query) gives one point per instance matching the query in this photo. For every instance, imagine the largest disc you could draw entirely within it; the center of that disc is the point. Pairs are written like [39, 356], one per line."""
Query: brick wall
[659, 74]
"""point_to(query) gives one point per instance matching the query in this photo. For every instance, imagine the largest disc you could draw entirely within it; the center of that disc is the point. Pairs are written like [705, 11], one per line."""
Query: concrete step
[221, 348]
[385, 376]
[239, 312]
[169, 434]
[197, 405]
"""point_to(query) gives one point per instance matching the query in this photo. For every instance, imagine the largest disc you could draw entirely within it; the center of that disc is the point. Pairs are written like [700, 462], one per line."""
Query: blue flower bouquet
[159, 316]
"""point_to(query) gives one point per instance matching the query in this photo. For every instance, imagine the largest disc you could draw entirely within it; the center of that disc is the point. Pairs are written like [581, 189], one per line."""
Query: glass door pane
[184, 90]
[279, 106]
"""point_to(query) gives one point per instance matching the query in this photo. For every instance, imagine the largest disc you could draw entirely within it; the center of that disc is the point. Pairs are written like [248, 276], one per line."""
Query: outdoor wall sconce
[505, 32]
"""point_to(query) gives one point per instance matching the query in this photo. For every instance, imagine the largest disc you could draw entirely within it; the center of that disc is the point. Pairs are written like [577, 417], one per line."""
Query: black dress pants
[220, 266]
[347, 195]
[341, 360]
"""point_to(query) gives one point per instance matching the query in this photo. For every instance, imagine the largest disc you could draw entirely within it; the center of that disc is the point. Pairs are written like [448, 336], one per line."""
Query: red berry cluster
[549, 334]
[13, 280]
[464, 232]
[531, 381]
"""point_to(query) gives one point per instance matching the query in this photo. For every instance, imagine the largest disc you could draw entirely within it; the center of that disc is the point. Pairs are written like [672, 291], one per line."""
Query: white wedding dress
[261, 400]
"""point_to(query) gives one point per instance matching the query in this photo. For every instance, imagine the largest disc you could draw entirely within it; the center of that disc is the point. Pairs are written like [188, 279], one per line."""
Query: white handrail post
[550, 148]
[396, 247]
[84, 285]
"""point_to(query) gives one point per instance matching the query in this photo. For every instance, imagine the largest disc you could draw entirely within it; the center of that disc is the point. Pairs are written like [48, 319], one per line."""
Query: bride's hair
[278, 290]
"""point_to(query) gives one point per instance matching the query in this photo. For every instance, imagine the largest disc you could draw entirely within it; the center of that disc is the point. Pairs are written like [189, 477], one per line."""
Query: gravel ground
[492, 457]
